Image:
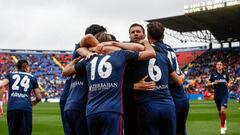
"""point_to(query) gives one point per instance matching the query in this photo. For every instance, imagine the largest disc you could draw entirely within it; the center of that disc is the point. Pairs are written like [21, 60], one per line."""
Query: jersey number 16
[100, 69]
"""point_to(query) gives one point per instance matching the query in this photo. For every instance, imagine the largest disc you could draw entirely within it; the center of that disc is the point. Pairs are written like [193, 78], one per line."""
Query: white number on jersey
[154, 71]
[102, 64]
[24, 82]
[173, 58]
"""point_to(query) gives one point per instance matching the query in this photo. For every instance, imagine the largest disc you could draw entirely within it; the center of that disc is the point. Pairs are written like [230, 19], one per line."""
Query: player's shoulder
[20, 74]
[162, 57]
[25, 74]
[162, 47]
[225, 74]
[214, 74]
[168, 47]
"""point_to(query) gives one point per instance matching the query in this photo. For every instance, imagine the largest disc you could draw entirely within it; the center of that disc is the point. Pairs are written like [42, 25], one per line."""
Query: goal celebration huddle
[133, 87]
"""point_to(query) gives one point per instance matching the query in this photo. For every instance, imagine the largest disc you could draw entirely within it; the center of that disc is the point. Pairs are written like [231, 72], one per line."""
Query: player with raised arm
[156, 31]
[105, 72]
[92, 29]
[219, 80]
[75, 107]
[136, 34]
[156, 110]
[21, 84]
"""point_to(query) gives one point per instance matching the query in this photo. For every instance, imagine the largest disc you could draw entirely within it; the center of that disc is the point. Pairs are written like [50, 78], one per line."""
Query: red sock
[223, 118]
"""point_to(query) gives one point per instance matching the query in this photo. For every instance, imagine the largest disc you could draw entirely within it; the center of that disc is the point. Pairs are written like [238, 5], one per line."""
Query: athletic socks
[223, 118]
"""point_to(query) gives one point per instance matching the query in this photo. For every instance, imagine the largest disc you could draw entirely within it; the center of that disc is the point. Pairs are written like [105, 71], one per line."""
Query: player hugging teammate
[103, 62]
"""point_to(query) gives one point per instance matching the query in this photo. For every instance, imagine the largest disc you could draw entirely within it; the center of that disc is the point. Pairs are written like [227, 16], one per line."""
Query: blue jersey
[65, 93]
[177, 92]
[78, 90]
[158, 70]
[105, 77]
[67, 84]
[21, 85]
[220, 89]
[75, 54]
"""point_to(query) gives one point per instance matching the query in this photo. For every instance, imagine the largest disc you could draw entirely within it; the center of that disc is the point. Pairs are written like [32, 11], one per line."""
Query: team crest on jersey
[224, 76]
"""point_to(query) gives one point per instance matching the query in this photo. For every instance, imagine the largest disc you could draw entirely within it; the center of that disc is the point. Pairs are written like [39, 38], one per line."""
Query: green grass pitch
[202, 119]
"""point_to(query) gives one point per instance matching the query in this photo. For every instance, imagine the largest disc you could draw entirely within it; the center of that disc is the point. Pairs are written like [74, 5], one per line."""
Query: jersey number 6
[154, 71]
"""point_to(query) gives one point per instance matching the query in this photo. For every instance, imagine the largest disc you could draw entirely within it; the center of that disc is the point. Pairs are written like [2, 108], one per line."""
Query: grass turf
[202, 119]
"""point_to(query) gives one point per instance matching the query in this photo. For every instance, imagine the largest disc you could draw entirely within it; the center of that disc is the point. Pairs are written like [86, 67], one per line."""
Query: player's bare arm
[176, 78]
[125, 46]
[148, 53]
[85, 52]
[3, 83]
[212, 83]
[182, 76]
[37, 93]
[229, 83]
[88, 52]
[69, 69]
[107, 47]
[143, 85]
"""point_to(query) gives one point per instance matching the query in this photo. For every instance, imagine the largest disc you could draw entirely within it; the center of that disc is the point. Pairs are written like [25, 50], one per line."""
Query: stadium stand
[63, 58]
[187, 57]
[45, 65]
[48, 72]
[199, 71]
[6, 63]
[208, 23]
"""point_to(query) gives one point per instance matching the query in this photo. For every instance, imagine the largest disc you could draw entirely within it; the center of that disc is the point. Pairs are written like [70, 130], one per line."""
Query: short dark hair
[94, 29]
[155, 30]
[136, 24]
[21, 64]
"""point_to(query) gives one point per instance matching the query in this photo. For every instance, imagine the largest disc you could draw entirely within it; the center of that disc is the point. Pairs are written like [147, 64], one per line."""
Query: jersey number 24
[23, 82]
